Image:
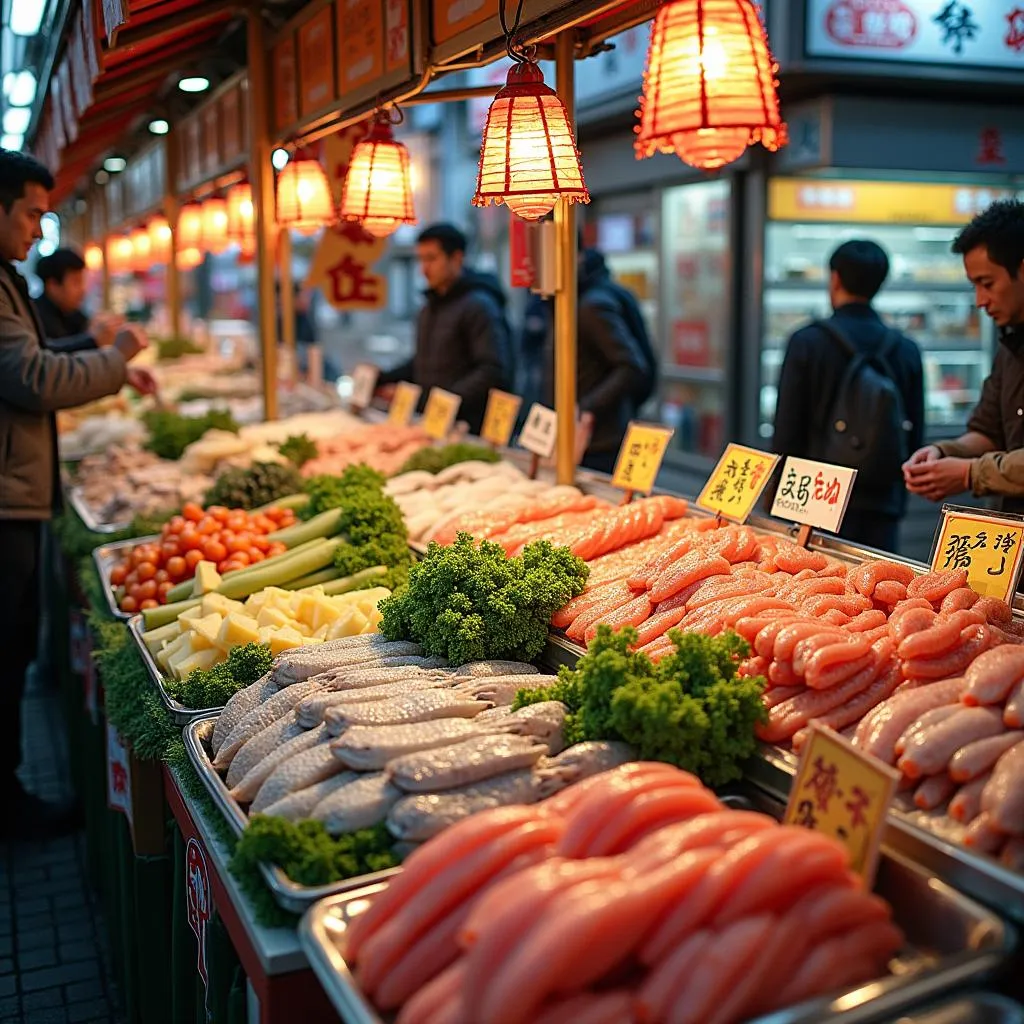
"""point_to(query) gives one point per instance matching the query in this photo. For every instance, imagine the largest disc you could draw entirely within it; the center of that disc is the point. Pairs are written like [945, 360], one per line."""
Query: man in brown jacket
[34, 384]
[989, 458]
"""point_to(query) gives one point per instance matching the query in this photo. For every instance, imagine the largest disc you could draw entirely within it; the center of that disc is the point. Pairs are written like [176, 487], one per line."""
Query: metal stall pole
[262, 178]
[101, 197]
[172, 279]
[565, 293]
[287, 300]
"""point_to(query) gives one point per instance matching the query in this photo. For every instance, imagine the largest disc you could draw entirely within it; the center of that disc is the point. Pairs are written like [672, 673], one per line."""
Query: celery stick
[292, 501]
[313, 579]
[353, 582]
[323, 525]
[152, 618]
[261, 575]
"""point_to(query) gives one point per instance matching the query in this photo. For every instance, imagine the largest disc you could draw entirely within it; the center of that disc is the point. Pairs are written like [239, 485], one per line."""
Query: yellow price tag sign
[844, 793]
[439, 414]
[403, 403]
[990, 548]
[640, 457]
[500, 417]
[737, 482]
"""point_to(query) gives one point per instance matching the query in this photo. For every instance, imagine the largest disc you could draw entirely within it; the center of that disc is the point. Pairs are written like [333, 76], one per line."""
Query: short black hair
[16, 171]
[448, 236]
[862, 266]
[58, 265]
[1000, 229]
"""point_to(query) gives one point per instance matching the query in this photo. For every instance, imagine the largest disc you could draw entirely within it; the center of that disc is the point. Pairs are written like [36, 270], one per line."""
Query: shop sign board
[990, 548]
[814, 493]
[736, 483]
[450, 18]
[199, 906]
[403, 403]
[364, 383]
[967, 33]
[439, 413]
[640, 457]
[540, 431]
[360, 43]
[844, 793]
[500, 417]
[521, 269]
[397, 49]
[316, 63]
[119, 774]
[286, 93]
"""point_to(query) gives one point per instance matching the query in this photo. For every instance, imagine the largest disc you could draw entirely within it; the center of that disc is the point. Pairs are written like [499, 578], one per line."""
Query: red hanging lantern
[215, 224]
[304, 201]
[141, 250]
[159, 239]
[93, 258]
[188, 258]
[120, 255]
[710, 86]
[190, 226]
[377, 192]
[528, 159]
[241, 217]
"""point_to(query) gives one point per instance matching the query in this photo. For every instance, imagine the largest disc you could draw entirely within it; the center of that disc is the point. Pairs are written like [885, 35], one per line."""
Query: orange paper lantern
[215, 224]
[241, 216]
[304, 200]
[93, 258]
[710, 86]
[140, 250]
[159, 239]
[190, 227]
[528, 159]
[377, 192]
[120, 255]
[188, 258]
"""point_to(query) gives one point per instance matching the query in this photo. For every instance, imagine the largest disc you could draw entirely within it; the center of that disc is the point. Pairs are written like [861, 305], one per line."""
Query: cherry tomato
[224, 566]
[118, 575]
[146, 571]
[237, 544]
[193, 558]
[208, 526]
[260, 543]
[191, 511]
[133, 591]
[131, 579]
[241, 557]
[274, 514]
[147, 589]
[263, 524]
[176, 525]
[176, 567]
[149, 602]
[237, 521]
[277, 548]
[214, 551]
[219, 512]
[169, 549]
[162, 576]
[129, 605]
[191, 541]
[162, 591]
[255, 555]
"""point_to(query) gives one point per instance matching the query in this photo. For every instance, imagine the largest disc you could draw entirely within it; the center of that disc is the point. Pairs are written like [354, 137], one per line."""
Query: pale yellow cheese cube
[270, 616]
[238, 629]
[285, 640]
[200, 659]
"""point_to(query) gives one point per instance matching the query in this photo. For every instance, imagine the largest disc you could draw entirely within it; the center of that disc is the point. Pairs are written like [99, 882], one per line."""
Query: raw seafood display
[382, 446]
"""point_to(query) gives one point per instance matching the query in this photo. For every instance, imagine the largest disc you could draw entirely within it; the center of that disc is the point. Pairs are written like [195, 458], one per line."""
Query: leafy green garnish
[433, 460]
[261, 484]
[170, 433]
[214, 687]
[298, 449]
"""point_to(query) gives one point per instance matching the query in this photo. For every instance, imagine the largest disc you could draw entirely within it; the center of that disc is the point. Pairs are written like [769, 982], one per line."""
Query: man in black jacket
[462, 337]
[809, 383]
[60, 306]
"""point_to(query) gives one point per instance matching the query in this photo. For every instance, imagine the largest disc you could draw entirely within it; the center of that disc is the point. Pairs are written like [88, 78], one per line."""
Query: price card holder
[845, 793]
[640, 457]
[364, 383]
[500, 417]
[989, 547]
[736, 484]
[813, 494]
[439, 414]
[403, 403]
[539, 434]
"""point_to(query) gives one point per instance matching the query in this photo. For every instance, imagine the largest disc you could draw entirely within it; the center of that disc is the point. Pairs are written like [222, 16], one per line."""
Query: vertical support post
[565, 294]
[287, 300]
[262, 178]
[172, 280]
[105, 246]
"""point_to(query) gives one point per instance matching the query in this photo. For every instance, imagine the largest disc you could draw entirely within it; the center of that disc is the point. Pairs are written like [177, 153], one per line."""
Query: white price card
[813, 493]
[364, 383]
[539, 432]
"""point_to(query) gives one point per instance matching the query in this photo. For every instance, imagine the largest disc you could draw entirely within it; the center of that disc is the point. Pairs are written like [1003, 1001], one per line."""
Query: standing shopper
[989, 458]
[851, 391]
[34, 384]
[65, 325]
[462, 336]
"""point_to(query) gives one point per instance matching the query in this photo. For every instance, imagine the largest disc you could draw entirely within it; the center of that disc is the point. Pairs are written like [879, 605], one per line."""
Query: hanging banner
[286, 93]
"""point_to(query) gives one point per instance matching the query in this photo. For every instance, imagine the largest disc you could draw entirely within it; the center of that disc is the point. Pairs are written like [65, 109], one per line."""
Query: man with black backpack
[851, 392]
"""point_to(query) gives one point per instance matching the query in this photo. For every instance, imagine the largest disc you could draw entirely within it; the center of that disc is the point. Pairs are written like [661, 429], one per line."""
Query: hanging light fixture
[188, 258]
[377, 192]
[93, 257]
[120, 255]
[304, 201]
[159, 239]
[528, 158]
[710, 86]
[190, 226]
[241, 216]
[141, 250]
[215, 224]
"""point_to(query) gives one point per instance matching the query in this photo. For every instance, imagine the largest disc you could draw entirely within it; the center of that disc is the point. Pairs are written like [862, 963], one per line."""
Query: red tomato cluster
[230, 538]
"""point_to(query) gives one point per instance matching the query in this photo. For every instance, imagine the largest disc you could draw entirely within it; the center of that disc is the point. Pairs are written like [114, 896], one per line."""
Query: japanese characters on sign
[845, 793]
[316, 63]
[736, 484]
[286, 93]
[539, 432]
[403, 404]
[640, 456]
[440, 412]
[119, 775]
[364, 383]
[990, 548]
[450, 17]
[814, 493]
[360, 43]
[500, 417]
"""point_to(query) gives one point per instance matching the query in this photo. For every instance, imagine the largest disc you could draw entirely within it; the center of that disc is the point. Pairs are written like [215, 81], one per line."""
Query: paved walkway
[54, 955]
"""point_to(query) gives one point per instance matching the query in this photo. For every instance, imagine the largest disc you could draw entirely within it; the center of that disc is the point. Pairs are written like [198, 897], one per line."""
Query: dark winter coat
[65, 332]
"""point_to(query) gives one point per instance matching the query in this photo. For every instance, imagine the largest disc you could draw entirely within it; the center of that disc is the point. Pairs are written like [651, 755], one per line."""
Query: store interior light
[115, 164]
[26, 16]
[47, 247]
[190, 227]
[194, 83]
[93, 257]
[22, 92]
[304, 201]
[528, 159]
[12, 142]
[101, 177]
[159, 239]
[8, 81]
[710, 84]
[16, 120]
[241, 215]
[159, 126]
[377, 192]
[279, 158]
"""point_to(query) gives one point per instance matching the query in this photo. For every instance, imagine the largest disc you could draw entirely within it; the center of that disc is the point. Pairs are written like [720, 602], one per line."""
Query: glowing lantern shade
[528, 158]
[215, 225]
[709, 88]
[159, 239]
[377, 191]
[93, 258]
[190, 226]
[140, 250]
[304, 200]
[120, 255]
[241, 218]
[188, 259]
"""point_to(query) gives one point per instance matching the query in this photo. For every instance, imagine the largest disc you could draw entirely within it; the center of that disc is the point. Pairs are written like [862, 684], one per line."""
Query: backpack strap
[880, 355]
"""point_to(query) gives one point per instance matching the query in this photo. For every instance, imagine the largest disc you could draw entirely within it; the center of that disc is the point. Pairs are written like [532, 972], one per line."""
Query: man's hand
[130, 341]
[141, 380]
[936, 479]
[104, 327]
[929, 453]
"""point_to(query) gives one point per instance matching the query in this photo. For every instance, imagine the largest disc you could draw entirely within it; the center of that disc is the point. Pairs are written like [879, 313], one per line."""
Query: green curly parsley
[214, 687]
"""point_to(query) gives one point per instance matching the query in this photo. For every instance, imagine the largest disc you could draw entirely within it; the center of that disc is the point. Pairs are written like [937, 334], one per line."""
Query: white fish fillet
[420, 817]
[580, 761]
[358, 679]
[461, 764]
[311, 710]
[304, 769]
[304, 662]
[239, 705]
[299, 806]
[262, 745]
[416, 707]
[247, 789]
[503, 689]
[487, 669]
[544, 721]
[369, 748]
[361, 804]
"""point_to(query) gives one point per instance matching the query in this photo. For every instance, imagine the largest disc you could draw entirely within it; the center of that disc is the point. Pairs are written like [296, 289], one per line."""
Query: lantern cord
[514, 51]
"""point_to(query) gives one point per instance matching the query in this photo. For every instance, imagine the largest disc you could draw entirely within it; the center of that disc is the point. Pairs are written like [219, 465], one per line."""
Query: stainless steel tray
[952, 941]
[288, 894]
[977, 1008]
[180, 714]
[78, 503]
[105, 558]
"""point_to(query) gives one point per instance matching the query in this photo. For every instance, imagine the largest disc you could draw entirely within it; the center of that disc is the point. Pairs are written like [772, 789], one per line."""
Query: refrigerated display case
[926, 295]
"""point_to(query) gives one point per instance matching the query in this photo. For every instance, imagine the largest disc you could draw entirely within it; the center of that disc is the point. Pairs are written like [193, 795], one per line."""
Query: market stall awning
[112, 70]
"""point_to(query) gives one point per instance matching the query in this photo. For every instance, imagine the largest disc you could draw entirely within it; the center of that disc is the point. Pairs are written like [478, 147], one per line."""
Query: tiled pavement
[54, 955]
